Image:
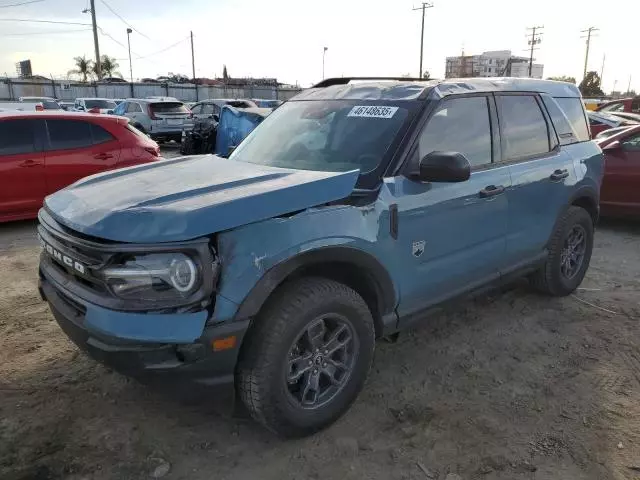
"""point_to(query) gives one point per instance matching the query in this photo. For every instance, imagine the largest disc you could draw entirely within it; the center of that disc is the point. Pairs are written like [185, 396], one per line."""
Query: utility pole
[588, 31]
[533, 41]
[604, 56]
[129, 31]
[193, 65]
[629, 85]
[324, 52]
[95, 39]
[424, 6]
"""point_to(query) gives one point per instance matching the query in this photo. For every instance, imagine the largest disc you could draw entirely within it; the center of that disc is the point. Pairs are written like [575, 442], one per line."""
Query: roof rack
[328, 82]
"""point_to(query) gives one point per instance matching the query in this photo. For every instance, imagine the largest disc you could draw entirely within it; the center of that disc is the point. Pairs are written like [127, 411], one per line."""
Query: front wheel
[307, 357]
[569, 254]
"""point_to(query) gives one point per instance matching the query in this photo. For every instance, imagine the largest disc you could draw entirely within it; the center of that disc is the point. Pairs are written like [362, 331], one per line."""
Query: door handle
[29, 163]
[491, 191]
[559, 174]
[102, 156]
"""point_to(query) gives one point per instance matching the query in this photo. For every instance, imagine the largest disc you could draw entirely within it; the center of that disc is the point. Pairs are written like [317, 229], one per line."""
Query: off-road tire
[549, 279]
[259, 375]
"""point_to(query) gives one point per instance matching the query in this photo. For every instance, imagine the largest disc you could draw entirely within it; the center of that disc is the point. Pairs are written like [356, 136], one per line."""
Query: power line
[165, 49]
[123, 20]
[22, 34]
[21, 3]
[43, 21]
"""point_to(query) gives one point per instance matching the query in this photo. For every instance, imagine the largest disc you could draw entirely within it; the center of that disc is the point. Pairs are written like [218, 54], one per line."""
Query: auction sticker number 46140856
[372, 111]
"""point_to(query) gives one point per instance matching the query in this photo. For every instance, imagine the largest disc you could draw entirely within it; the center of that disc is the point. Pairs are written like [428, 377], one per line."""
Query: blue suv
[350, 211]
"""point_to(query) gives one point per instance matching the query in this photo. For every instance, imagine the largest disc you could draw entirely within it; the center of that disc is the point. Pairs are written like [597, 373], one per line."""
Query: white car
[47, 103]
[94, 105]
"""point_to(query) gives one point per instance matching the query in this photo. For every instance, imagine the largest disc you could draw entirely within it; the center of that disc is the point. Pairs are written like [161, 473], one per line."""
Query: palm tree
[84, 67]
[108, 66]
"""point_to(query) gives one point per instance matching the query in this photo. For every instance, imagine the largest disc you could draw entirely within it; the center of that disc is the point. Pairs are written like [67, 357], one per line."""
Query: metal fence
[11, 89]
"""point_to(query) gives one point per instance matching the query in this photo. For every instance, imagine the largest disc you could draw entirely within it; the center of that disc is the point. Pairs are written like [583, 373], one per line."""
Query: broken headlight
[154, 277]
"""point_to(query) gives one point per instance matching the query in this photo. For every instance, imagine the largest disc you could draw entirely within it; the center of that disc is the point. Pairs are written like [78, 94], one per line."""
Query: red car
[631, 105]
[620, 194]
[44, 152]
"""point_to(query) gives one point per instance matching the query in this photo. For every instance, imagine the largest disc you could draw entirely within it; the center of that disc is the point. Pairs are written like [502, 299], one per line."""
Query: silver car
[160, 118]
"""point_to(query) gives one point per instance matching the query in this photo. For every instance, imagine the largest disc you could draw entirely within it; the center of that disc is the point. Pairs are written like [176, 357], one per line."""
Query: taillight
[39, 108]
[152, 116]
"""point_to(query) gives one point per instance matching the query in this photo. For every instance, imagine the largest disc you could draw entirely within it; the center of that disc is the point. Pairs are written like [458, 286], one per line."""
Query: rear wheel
[307, 357]
[569, 254]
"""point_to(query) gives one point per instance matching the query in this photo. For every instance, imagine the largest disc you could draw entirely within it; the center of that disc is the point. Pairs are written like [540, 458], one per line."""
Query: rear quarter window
[561, 123]
[573, 109]
[100, 135]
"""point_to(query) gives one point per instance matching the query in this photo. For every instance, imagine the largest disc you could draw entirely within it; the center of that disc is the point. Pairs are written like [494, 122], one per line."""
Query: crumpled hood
[189, 197]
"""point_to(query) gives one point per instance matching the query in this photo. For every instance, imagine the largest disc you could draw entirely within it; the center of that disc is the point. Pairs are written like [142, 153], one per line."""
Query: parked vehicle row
[199, 133]
[45, 152]
[348, 212]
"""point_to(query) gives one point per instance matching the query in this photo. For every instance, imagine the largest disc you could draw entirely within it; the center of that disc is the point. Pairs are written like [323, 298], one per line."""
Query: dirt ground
[508, 386]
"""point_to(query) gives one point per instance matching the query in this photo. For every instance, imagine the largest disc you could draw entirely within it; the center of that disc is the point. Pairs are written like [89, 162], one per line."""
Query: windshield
[108, 104]
[336, 135]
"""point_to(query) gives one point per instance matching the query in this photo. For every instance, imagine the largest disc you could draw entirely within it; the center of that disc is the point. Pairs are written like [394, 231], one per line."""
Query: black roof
[412, 89]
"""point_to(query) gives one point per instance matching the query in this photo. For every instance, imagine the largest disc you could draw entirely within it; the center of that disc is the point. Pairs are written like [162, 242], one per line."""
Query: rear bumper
[160, 363]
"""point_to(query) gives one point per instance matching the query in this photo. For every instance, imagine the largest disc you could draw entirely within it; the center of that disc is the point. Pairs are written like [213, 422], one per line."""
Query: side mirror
[80, 108]
[615, 145]
[444, 167]
[216, 117]
[110, 112]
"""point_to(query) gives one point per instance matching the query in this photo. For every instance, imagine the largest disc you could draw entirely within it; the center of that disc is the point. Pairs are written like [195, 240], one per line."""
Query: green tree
[426, 75]
[108, 66]
[563, 78]
[590, 85]
[84, 68]
[225, 75]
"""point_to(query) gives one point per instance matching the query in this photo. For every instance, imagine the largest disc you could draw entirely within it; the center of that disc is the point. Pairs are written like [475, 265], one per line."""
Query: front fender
[266, 252]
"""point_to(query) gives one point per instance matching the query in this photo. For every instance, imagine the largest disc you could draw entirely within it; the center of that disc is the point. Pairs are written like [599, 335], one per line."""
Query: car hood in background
[189, 197]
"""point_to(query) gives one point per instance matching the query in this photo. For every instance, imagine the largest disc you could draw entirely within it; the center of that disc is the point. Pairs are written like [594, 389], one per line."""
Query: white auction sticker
[372, 111]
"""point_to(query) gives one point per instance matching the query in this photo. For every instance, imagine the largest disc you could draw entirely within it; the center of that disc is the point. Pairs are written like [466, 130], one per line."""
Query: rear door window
[100, 135]
[524, 129]
[207, 109]
[18, 137]
[69, 134]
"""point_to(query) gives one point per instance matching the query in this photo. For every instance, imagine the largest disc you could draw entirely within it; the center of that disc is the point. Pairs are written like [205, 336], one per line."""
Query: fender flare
[372, 270]
[585, 191]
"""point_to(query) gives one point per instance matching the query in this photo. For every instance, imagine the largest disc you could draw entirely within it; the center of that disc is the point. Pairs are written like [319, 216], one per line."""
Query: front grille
[73, 257]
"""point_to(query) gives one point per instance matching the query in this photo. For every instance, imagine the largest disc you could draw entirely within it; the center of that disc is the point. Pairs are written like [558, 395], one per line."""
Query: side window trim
[552, 135]
[510, 161]
[425, 117]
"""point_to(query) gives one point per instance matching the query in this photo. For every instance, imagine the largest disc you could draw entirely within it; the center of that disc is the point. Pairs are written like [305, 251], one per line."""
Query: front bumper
[96, 330]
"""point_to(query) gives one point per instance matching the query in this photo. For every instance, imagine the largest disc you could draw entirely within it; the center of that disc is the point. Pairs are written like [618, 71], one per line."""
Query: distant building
[497, 63]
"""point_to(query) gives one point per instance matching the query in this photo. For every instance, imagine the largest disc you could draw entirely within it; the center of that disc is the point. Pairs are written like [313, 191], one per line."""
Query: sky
[286, 38]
